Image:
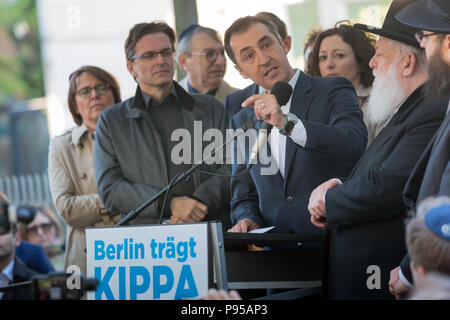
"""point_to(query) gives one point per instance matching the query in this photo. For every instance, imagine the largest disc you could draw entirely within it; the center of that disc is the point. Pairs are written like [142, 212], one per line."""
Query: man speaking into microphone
[317, 134]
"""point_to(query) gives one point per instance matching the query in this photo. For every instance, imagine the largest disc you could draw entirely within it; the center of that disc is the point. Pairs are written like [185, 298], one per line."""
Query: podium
[238, 268]
[182, 261]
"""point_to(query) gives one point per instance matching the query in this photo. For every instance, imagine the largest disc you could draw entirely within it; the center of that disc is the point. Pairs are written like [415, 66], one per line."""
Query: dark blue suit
[34, 256]
[336, 138]
[231, 107]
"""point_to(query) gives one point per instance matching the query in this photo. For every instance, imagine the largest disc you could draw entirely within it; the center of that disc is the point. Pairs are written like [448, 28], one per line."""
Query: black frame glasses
[420, 35]
[150, 55]
[101, 90]
[210, 55]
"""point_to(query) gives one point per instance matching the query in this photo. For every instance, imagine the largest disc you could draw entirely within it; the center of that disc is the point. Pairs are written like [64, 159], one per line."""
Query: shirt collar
[191, 89]
[8, 270]
[291, 82]
[363, 91]
[294, 78]
[77, 133]
[148, 100]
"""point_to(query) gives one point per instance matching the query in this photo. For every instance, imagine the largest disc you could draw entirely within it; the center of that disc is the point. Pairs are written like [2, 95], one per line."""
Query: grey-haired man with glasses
[201, 55]
[134, 151]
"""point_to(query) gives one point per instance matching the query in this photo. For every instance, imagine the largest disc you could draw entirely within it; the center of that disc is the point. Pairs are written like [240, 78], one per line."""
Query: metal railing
[27, 189]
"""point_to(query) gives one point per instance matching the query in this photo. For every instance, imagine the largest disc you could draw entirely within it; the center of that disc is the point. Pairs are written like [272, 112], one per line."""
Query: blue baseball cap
[432, 15]
[438, 221]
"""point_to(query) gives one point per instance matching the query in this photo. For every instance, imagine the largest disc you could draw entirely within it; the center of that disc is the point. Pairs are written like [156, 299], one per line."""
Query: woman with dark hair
[71, 161]
[346, 51]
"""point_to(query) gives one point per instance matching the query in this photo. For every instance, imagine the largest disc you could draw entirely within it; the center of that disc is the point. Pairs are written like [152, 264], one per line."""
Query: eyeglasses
[210, 55]
[421, 34]
[150, 55]
[101, 90]
[45, 227]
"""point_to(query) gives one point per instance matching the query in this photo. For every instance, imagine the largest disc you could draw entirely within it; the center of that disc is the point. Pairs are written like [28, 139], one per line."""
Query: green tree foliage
[20, 55]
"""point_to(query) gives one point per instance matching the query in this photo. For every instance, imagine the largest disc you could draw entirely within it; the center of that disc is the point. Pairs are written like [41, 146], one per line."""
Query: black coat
[365, 214]
[431, 175]
[20, 274]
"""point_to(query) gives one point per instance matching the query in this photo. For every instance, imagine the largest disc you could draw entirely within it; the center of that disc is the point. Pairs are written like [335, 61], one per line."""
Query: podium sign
[148, 262]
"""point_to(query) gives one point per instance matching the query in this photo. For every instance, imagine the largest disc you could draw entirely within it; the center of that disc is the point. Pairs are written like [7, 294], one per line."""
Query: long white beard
[385, 96]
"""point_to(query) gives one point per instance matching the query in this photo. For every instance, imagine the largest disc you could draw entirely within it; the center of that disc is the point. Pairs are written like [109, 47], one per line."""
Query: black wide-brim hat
[392, 28]
[432, 15]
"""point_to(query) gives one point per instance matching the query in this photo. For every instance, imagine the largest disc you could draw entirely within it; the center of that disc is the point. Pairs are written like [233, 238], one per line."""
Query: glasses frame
[420, 35]
[45, 227]
[212, 60]
[151, 55]
[96, 88]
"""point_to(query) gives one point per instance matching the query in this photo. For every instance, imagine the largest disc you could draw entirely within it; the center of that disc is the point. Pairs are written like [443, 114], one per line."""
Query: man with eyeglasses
[134, 151]
[431, 175]
[201, 55]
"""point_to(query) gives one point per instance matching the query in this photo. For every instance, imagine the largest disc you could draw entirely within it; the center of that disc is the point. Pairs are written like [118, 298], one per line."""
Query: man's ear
[182, 62]
[287, 43]
[241, 72]
[130, 68]
[18, 238]
[408, 63]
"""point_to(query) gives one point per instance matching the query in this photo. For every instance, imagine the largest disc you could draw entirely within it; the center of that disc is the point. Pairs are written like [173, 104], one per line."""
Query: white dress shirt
[278, 141]
[6, 276]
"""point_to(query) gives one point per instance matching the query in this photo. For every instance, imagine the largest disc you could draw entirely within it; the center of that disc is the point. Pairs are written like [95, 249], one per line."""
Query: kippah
[438, 221]
[188, 30]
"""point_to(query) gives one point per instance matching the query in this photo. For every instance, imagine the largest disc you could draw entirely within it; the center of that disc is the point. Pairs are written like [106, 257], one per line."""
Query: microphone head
[282, 92]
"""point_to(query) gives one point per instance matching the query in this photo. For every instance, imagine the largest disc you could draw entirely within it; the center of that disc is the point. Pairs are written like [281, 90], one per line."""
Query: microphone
[282, 92]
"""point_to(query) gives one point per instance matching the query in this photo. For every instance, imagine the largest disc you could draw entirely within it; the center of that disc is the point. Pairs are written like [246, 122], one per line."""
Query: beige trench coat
[74, 191]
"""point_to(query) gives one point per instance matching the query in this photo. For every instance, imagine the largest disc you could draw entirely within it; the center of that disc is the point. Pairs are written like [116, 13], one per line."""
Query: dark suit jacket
[431, 175]
[34, 256]
[20, 274]
[336, 138]
[365, 214]
[230, 102]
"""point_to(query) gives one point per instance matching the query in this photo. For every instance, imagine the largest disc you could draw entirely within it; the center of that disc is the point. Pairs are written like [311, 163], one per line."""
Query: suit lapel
[300, 106]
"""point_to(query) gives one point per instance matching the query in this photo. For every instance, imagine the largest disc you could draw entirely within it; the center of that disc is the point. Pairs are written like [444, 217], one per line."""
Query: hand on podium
[244, 225]
[187, 210]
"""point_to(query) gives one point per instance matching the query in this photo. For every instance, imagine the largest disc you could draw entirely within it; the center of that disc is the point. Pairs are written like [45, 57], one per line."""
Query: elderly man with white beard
[363, 216]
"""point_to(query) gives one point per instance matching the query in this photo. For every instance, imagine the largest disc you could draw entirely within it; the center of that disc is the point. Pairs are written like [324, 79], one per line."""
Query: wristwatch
[289, 122]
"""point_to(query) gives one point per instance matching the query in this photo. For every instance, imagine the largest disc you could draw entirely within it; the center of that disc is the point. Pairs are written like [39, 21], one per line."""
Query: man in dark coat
[137, 148]
[364, 215]
[12, 269]
[431, 175]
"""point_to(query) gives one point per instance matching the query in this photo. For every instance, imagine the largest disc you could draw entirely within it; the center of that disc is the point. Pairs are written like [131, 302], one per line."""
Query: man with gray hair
[201, 55]
[364, 215]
